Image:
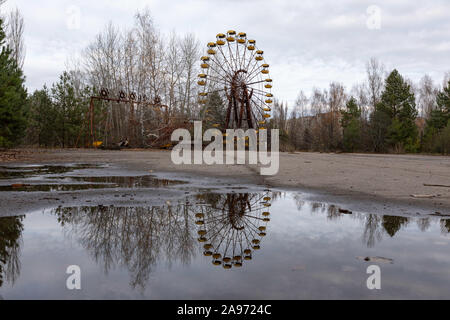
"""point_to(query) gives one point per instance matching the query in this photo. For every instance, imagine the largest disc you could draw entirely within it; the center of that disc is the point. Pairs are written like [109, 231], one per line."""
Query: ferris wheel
[232, 227]
[235, 73]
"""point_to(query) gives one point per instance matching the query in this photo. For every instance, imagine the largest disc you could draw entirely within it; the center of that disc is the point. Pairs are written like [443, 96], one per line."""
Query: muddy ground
[397, 184]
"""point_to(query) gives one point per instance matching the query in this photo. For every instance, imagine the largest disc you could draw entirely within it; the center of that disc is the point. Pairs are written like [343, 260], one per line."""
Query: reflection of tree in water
[392, 224]
[140, 238]
[136, 238]
[231, 226]
[373, 231]
[10, 240]
[424, 223]
[445, 225]
[375, 225]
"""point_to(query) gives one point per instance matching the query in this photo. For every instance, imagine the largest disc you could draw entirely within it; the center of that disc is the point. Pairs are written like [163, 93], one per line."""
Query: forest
[387, 113]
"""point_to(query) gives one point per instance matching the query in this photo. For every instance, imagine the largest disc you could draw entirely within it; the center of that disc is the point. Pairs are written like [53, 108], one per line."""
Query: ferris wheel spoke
[255, 74]
[218, 74]
[228, 72]
[235, 67]
[256, 82]
[255, 70]
[226, 60]
[260, 91]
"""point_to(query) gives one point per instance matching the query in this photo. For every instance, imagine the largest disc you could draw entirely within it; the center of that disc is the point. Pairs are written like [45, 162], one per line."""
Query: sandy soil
[363, 181]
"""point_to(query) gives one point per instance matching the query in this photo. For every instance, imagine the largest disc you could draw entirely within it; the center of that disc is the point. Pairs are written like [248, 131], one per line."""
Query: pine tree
[398, 103]
[437, 131]
[351, 125]
[215, 112]
[41, 119]
[13, 96]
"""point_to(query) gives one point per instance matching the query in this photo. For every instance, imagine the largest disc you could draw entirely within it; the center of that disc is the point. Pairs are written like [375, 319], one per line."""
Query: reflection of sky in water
[310, 251]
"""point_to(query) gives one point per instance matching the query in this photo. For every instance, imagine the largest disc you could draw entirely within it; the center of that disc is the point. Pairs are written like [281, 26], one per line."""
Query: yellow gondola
[204, 66]
[204, 58]
[211, 44]
[203, 94]
[220, 42]
[231, 32]
[201, 83]
[211, 51]
[265, 71]
[251, 47]
[230, 39]
[268, 86]
[220, 36]
[269, 101]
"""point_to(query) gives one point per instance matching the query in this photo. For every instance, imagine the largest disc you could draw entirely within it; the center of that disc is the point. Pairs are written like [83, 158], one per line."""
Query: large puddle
[239, 245]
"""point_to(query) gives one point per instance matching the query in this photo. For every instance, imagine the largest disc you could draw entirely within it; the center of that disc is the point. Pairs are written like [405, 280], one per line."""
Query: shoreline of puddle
[49, 186]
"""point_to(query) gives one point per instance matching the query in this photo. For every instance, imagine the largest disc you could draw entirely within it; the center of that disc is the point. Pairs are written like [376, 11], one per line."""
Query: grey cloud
[307, 43]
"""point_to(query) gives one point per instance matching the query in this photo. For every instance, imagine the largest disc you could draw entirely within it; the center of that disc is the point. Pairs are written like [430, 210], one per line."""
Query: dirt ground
[385, 180]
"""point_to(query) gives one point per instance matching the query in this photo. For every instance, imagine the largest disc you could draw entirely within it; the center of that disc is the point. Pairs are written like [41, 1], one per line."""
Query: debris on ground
[425, 196]
[376, 259]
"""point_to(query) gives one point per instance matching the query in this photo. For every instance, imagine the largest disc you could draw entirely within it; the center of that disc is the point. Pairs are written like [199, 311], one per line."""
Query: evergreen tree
[351, 125]
[398, 103]
[437, 131]
[13, 96]
[70, 106]
[41, 125]
[215, 112]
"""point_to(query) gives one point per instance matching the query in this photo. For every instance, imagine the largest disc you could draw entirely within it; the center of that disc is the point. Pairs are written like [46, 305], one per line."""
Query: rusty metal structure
[234, 70]
[163, 120]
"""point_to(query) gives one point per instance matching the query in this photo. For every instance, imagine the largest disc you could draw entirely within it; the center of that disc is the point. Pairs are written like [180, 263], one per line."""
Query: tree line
[386, 113]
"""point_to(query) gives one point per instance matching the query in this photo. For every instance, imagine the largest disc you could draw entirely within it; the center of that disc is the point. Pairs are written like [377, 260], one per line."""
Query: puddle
[10, 172]
[260, 245]
[37, 178]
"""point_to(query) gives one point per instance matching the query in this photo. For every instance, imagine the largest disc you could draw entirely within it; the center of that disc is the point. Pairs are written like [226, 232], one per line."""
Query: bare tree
[427, 96]
[16, 27]
[375, 81]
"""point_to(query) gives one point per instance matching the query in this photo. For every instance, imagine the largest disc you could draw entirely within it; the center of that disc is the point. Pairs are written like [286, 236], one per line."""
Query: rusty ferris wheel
[235, 70]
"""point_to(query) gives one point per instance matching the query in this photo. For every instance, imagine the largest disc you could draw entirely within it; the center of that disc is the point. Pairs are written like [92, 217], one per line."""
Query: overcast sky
[307, 43]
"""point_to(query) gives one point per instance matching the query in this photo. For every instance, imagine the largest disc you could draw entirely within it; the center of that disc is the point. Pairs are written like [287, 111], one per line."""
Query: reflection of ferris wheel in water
[235, 70]
[232, 228]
